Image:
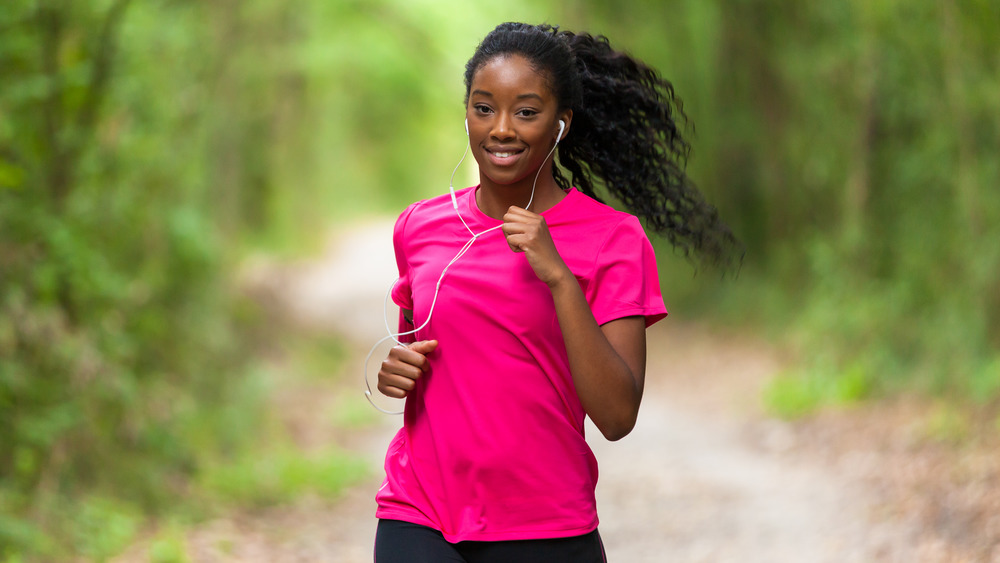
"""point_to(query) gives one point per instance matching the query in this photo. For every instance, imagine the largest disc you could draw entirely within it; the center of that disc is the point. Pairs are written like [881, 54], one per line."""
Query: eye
[483, 108]
[527, 112]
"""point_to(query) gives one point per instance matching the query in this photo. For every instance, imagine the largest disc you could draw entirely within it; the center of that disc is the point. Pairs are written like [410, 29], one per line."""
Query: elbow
[617, 421]
[614, 430]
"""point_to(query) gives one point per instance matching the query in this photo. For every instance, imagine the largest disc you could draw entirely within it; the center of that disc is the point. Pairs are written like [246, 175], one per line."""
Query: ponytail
[626, 134]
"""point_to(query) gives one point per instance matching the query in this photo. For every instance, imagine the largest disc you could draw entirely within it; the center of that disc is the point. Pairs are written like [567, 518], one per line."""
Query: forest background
[148, 148]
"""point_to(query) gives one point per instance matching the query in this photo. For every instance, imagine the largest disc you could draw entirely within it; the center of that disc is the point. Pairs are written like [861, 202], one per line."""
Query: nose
[502, 130]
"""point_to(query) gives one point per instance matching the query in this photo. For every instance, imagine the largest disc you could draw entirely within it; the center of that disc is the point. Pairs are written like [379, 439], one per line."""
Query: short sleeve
[402, 294]
[625, 280]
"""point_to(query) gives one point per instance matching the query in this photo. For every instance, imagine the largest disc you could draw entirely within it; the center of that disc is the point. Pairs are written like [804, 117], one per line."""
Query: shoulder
[423, 213]
[599, 221]
[583, 207]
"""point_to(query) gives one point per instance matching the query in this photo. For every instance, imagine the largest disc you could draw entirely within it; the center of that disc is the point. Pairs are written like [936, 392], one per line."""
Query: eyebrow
[520, 97]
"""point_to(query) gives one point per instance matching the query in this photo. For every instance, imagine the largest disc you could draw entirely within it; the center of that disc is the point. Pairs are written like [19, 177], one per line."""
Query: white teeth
[503, 154]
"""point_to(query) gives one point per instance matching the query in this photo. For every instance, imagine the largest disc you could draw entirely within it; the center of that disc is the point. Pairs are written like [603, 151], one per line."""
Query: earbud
[466, 126]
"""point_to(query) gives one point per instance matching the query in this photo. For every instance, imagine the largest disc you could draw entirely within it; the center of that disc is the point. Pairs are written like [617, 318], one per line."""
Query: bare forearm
[607, 362]
[609, 388]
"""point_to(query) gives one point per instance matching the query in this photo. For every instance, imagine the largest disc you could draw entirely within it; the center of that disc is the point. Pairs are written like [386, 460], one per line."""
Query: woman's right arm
[405, 364]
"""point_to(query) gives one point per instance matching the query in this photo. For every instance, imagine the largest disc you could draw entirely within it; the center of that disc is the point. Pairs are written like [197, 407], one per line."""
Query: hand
[403, 367]
[527, 232]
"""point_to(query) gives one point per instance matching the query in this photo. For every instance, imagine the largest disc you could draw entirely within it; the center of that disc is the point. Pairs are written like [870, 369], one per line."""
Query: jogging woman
[528, 299]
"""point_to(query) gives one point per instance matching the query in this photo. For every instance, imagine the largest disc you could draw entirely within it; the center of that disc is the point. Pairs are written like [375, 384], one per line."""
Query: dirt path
[704, 477]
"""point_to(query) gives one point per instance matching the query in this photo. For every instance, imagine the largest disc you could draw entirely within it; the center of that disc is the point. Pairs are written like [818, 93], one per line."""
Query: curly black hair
[627, 133]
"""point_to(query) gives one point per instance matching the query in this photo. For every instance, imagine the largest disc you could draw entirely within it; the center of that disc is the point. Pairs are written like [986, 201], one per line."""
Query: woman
[529, 300]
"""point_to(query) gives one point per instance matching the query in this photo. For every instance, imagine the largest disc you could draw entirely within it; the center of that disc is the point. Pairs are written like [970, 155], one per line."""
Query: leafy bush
[127, 161]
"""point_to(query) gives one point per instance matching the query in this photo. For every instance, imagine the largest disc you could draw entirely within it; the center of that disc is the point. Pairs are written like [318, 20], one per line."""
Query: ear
[567, 117]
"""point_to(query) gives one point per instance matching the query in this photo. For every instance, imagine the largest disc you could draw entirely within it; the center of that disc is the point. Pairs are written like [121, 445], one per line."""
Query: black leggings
[403, 542]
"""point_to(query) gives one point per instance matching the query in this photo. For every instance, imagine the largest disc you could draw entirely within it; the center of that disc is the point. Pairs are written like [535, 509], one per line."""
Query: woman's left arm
[608, 362]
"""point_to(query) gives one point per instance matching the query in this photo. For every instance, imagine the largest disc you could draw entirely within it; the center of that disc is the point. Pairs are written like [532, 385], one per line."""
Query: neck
[495, 199]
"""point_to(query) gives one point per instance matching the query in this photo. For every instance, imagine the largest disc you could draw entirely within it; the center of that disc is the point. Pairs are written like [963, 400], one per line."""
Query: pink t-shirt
[492, 445]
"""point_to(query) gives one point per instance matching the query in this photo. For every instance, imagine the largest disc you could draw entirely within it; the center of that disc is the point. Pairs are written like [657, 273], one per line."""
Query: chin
[504, 180]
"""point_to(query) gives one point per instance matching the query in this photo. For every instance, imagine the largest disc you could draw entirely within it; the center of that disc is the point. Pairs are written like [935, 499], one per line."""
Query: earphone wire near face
[437, 287]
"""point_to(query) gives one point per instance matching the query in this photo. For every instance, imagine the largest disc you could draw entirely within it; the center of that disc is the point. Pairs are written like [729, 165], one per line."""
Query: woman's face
[513, 120]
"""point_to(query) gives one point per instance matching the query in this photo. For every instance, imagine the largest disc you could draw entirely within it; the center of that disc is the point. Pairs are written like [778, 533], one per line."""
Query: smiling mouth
[506, 157]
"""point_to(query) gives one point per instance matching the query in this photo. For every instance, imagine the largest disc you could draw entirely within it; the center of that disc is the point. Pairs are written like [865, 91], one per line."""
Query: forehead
[512, 74]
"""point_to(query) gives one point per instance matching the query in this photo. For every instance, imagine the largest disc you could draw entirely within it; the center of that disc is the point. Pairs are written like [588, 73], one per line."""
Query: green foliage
[852, 146]
[281, 476]
[984, 381]
[128, 159]
[169, 548]
[166, 551]
[353, 414]
[19, 536]
[314, 355]
[793, 396]
[103, 527]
